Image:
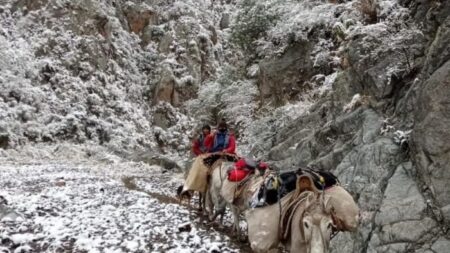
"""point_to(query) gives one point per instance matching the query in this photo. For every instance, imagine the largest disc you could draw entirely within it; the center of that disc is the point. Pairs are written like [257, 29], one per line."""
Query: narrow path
[195, 216]
[129, 184]
[93, 208]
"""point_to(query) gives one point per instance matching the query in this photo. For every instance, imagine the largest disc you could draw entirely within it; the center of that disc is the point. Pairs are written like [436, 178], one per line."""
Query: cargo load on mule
[277, 185]
[245, 167]
[316, 203]
[197, 178]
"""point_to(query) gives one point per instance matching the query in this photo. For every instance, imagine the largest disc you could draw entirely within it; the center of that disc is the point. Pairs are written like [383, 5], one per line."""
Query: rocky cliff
[359, 88]
[382, 124]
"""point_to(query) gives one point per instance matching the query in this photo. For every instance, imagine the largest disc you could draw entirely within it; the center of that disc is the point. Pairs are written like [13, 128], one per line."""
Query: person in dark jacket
[199, 145]
[222, 140]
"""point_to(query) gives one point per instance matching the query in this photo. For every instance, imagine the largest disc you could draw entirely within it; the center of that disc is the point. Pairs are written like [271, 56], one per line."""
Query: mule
[215, 202]
[239, 204]
[308, 225]
[200, 179]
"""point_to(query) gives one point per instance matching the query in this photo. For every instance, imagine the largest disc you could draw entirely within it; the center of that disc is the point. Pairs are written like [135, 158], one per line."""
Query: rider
[222, 140]
[200, 145]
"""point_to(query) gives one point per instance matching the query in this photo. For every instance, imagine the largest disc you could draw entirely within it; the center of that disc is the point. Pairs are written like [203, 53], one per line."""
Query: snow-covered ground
[99, 207]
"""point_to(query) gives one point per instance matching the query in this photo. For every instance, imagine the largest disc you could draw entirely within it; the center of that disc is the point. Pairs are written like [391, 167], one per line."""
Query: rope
[279, 201]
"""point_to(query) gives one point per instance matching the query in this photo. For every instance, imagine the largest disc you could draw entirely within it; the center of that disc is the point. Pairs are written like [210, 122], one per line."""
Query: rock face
[322, 87]
[95, 71]
[381, 126]
[286, 75]
[139, 17]
[431, 147]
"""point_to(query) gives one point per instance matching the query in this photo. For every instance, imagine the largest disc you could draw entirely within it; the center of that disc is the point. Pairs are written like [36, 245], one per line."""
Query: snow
[402, 137]
[66, 93]
[95, 212]
[356, 100]
[59, 82]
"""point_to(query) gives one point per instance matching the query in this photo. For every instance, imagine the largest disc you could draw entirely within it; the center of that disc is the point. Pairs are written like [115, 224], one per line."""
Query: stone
[139, 17]
[365, 170]
[393, 248]
[442, 245]
[406, 231]
[439, 50]
[402, 200]
[446, 212]
[160, 119]
[4, 140]
[60, 183]
[165, 42]
[165, 90]
[430, 134]
[186, 227]
[282, 79]
[375, 72]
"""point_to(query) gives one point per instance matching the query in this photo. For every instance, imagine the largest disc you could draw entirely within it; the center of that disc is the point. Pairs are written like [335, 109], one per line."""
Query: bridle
[338, 225]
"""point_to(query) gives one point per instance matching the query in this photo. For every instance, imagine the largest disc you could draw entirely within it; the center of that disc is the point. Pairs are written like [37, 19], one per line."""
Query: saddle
[309, 187]
[213, 158]
[321, 179]
[304, 185]
[242, 186]
[276, 187]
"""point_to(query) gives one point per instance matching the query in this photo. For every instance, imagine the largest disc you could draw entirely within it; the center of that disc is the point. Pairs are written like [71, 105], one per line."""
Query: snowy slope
[88, 208]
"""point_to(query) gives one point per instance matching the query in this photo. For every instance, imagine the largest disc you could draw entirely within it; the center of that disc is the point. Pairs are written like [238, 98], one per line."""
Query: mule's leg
[221, 209]
[218, 212]
[236, 229]
[210, 203]
[200, 202]
[222, 214]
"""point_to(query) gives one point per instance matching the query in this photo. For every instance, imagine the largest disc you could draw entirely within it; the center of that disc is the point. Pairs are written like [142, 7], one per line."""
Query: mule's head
[317, 227]
[315, 223]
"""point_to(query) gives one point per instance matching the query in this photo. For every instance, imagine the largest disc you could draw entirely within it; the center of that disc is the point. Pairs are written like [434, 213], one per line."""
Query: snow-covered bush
[226, 98]
[259, 135]
[252, 22]
[80, 81]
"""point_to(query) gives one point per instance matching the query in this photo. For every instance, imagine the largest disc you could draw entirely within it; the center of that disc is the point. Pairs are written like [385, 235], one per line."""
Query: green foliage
[252, 23]
[227, 97]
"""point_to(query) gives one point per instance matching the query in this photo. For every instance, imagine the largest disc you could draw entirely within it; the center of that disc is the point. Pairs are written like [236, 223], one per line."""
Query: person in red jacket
[200, 146]
[221, 140]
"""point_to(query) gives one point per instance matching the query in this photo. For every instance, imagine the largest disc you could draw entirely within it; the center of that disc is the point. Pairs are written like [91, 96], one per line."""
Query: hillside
[360, 88]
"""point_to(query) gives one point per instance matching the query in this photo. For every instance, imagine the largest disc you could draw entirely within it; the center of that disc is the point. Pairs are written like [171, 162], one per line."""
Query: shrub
[252, 22]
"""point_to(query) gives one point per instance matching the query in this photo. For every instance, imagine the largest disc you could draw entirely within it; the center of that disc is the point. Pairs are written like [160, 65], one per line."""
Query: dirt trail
[194, 215]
